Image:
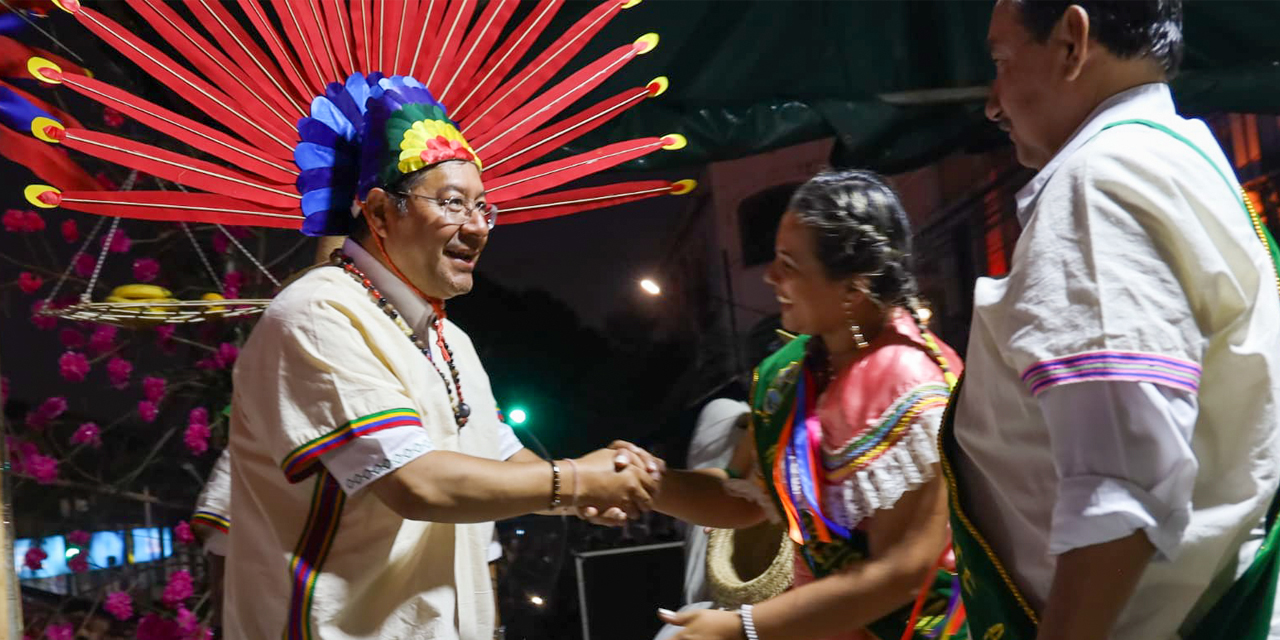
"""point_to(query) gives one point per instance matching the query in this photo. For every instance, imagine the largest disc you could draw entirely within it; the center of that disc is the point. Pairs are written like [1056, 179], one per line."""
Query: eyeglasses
[458, 211]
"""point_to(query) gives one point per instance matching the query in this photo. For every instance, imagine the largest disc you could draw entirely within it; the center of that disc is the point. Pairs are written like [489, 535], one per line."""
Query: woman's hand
[704, 624]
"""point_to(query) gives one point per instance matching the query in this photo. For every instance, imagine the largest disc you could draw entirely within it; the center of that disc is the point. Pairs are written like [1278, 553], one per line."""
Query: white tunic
[1124, 376]
[311, 554]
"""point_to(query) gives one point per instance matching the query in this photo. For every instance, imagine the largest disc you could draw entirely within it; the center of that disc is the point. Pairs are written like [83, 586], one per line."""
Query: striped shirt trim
[889, 430]
[313, 548]
[303, 461]
[211, 520]
[1113, 365]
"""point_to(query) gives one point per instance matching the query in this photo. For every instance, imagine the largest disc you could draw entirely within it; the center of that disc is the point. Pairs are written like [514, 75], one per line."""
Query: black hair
[395, 189]
[1127, 28]
[860, 229]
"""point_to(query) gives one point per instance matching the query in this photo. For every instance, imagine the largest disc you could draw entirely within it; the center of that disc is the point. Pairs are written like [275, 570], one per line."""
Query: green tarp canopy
[893, 81]
[897, 83]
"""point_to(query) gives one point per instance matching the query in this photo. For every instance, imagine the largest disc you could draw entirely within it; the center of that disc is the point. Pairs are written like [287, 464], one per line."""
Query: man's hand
[626, 456]
[612, 485]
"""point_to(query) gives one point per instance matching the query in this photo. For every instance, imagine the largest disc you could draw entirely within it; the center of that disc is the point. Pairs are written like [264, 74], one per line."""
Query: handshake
[613, 484]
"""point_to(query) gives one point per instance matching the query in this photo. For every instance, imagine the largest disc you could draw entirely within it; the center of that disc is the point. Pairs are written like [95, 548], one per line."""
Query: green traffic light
[518, 416]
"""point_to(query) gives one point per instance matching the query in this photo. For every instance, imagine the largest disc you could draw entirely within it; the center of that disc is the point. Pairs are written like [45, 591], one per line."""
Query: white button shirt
[1124, 376]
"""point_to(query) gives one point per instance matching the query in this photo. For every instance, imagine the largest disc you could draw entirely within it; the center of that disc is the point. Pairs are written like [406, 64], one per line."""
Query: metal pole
[582, 598]
[10, 596]
[733, 314]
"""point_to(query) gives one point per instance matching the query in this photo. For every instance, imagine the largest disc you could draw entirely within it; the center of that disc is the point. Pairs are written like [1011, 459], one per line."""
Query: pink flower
[70, 232]
[42, 468]
[154, 627]
[164, 337]
[84, 265]
[145, 269]
[148, 410]
[16, 221]
[220, 243]
[29, 282]
[198, 415]
[71, 338]
[178, 589]
[73, 366]
[227, 354]
[119, 604]
[79, 563]
[89, 434]
[62, 631]
[112, 118]
[197, 438]
[119, 370]
[153, 388]
[103, 339]
[188, 623]
[183, 533]
[40, 320]
[79, 537]
[117, 242]
[53, 407]
[21, 451]
[47, 412]
[234, 279]
[34, 559]
[36, 422]
[232, 282]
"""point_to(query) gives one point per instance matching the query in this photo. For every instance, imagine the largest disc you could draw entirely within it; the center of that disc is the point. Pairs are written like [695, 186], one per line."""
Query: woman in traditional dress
[844, 423]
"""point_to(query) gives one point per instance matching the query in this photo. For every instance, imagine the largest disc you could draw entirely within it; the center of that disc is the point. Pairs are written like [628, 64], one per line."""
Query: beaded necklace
[461, 410]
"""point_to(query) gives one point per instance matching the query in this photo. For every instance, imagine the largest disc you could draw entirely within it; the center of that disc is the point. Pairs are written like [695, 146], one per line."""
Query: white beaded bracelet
[748, 623]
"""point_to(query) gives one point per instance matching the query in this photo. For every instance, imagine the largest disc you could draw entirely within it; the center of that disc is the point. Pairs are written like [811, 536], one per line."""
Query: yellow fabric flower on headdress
[430, 141]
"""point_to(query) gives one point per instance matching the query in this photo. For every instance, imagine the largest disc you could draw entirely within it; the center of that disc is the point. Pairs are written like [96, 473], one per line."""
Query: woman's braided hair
[861, 229]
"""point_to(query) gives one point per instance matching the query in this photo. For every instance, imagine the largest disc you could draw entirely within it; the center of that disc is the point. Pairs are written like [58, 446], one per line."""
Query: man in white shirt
[1114, 448]
[368, 462]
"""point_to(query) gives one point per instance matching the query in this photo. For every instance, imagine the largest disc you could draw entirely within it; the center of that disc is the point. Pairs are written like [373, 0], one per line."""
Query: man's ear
[377, 207]
[1072, 32]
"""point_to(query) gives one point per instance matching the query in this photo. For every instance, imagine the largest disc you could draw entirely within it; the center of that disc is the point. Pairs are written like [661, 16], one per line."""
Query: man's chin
[459, 284]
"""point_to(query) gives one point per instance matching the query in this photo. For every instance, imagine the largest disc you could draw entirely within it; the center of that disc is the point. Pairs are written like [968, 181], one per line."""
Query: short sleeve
[1104, 288]
[314, 380]
[212, 518]
[508, 443]
[371, 456]
[1123, 455]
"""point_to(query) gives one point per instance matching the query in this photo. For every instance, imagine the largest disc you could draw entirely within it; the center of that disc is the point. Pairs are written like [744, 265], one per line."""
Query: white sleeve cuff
[1122, 450]
[369, 457]
[216, 543]
[1092, 510]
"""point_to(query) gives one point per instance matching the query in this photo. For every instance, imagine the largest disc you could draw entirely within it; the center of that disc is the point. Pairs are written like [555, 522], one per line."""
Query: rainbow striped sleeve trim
[304, 460]
[212, 520]
[1113, 365]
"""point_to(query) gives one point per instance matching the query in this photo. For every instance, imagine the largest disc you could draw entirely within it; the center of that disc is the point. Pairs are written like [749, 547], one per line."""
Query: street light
[537, 601]
[650, 287]
[518, 416]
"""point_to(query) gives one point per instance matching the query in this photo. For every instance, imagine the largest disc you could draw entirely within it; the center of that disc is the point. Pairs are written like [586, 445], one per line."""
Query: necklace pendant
[464, 411]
